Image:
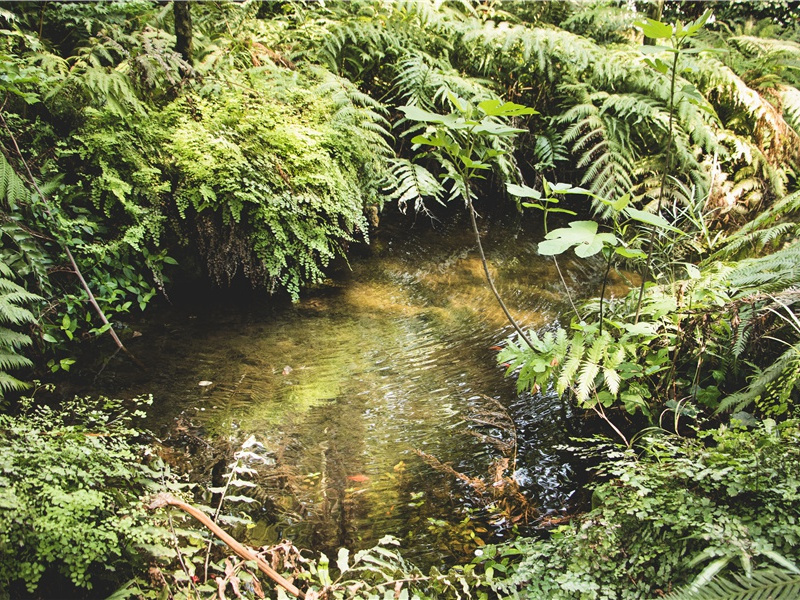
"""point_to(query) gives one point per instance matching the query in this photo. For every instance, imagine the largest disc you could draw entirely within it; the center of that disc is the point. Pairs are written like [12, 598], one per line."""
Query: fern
[13, 312]
[760, 232]
[12, 189]
[572, 364]
[762, 584]
[412, 183]
[770, 387]
[772, 273]
[607, 163]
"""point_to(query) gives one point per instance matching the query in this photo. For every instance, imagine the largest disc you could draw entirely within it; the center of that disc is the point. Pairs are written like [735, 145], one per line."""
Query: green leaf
[698, 24]
[656, 49]
[523, 191]
[342, 560]
[497, 108]
[430, 141]
[414, 113]
[580, 234]
[655, 29]
[657, 64]
[650, 219]
[497, 129]
[630, 252]
[622, 202]
[473, 164]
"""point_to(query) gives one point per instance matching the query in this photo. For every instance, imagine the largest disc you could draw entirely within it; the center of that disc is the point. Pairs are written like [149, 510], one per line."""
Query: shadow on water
[391, 356]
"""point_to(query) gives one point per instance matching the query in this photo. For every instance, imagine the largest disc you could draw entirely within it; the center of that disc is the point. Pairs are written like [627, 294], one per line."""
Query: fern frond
[412, 183]
[11, 384]
[769, 386]
[12, 188]
[772, 584]
[572, 364]
[11, 360]
[758, 232]
[772, 273]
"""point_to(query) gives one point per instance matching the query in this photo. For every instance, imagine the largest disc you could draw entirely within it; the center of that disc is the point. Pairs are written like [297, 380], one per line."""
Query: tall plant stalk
[460, 144]
[678, 34]
[489, 278]
[664, 177]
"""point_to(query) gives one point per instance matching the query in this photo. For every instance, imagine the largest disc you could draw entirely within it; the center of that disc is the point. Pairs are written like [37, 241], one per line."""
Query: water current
[395, 354]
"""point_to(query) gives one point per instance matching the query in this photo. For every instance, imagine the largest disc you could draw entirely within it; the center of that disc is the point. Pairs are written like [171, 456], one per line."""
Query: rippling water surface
[393, 355]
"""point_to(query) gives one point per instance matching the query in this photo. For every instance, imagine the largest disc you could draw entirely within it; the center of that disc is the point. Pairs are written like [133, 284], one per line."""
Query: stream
[395, 354]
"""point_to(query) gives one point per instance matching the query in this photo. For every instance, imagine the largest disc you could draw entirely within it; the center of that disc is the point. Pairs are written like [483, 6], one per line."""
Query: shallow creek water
[393, 355]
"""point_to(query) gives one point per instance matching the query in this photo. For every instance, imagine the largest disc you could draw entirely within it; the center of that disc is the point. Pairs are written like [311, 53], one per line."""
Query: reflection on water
[392, 356]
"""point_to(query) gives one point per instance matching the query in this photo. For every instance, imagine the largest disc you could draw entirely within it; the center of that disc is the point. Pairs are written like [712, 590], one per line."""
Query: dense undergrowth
[270, 143]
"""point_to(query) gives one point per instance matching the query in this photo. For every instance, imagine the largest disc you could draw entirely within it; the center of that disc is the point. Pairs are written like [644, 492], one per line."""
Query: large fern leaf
[766, 584]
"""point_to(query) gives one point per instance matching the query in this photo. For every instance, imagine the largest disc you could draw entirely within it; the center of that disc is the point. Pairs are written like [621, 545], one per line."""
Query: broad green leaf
[621, 203]
[630, 253]
[656, 49]
[691, 91]
[415, 113]
[655, 29]
[430, 141]
[565, 188]
[497, 108]
[695, 26]
[473, 164]
[560, 240]
[342, 560]
[643, 328]
[657, 64]
[497, 129]
[596, 245]
[650, 219]
[580, 234]
[523, 191]
[458, 103]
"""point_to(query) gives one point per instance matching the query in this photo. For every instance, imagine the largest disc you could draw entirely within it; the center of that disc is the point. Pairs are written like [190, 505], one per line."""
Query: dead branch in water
[499, 486]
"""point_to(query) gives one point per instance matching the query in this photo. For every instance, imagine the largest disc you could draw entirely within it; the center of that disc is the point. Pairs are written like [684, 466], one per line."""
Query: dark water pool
[393, 355]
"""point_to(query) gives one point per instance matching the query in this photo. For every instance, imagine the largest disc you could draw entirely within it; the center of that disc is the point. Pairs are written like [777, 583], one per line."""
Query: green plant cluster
[672, 512]
[70, 488]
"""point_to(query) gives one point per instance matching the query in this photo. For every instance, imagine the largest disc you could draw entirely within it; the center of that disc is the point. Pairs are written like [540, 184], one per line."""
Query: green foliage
[275, 179]
[682, 511]
[776, 584]
[13, 313]
[467, 142]
[69, 487]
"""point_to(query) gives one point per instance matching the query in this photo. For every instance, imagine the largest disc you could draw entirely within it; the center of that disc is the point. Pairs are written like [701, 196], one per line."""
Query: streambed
[394, 355]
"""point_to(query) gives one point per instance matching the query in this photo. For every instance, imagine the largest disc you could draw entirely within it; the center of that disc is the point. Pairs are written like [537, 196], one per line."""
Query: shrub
[685, 508]
[70, 481]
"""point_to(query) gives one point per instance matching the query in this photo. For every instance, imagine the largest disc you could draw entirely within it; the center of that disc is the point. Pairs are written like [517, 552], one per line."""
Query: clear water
[393, 355]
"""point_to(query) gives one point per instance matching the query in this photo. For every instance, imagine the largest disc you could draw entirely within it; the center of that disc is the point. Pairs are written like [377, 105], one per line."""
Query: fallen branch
[164, 499]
